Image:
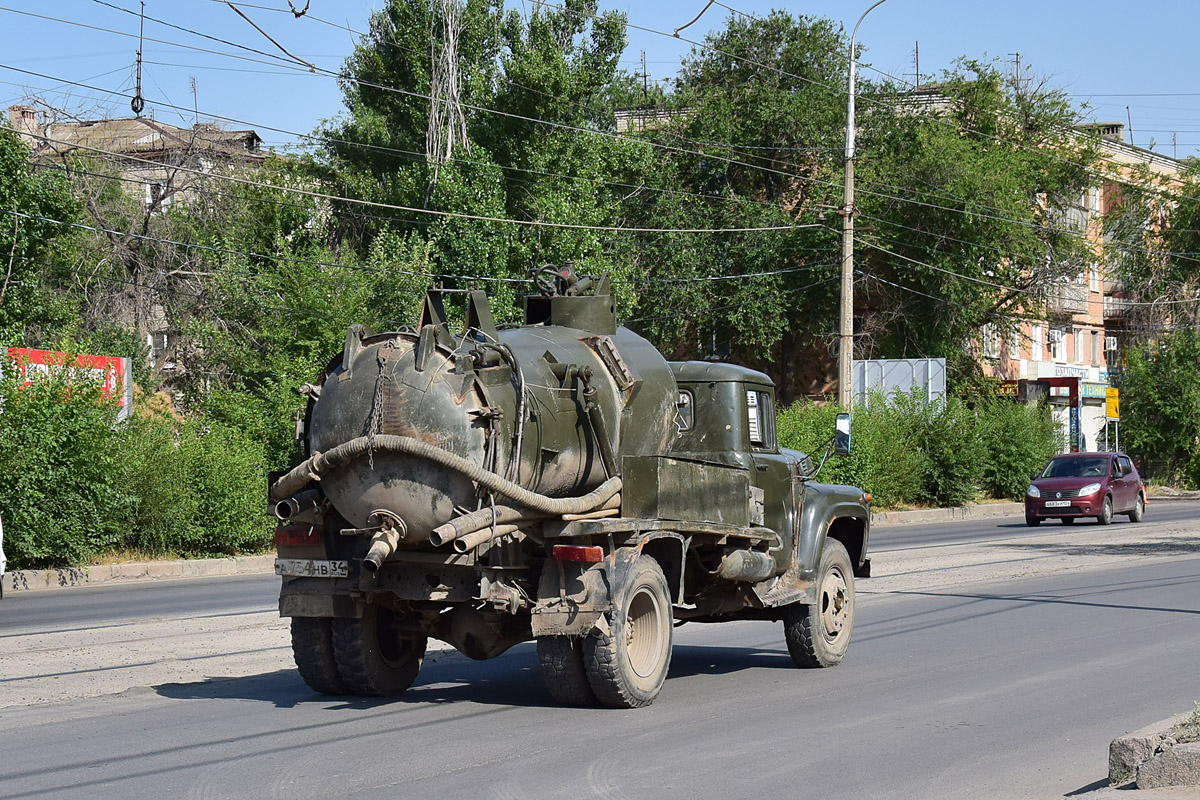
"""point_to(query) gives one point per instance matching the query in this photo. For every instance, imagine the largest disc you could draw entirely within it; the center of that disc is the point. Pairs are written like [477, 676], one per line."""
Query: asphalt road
[905, 537]
[982, 690]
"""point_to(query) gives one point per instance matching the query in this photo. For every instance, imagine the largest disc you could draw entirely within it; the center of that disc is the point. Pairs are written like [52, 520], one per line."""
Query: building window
[1095, 348]
[1014, 343]
[1037, 350]
[991, 341]
[1058, 344]
[1094, 277]
[1079, 349]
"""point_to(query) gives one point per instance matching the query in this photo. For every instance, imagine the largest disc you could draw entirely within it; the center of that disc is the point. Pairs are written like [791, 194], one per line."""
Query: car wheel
[1106, 512]
[1032, 522]
[1139, 509]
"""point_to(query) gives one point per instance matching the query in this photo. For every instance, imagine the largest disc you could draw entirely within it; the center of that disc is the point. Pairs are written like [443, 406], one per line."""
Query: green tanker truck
[557, 481]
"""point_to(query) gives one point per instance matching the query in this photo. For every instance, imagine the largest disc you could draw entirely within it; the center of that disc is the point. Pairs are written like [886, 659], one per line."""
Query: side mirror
[841, 437]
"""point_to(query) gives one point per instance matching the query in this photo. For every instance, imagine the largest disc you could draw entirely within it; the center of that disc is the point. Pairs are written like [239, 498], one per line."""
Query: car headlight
[1089, 490]
[1033, 491]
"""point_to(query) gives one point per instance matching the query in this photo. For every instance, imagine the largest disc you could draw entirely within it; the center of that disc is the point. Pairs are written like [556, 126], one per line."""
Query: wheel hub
[834, 603]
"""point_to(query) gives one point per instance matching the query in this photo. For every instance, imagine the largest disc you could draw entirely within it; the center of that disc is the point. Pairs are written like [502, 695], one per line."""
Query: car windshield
[1076, 467]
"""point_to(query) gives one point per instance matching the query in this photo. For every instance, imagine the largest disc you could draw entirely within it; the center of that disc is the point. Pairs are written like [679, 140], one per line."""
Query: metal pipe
[465, 544]
[468, 523]
[383, 544]
[291, 506]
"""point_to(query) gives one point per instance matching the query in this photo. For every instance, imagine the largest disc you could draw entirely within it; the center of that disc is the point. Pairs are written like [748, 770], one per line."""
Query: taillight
[575, 552]
[296, 536]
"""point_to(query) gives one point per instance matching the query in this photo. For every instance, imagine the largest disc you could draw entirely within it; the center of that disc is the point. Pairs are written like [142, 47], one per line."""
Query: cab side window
[760, 419]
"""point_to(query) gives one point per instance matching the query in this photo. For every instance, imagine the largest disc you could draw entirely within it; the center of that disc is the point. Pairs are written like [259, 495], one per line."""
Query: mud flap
[573, 598]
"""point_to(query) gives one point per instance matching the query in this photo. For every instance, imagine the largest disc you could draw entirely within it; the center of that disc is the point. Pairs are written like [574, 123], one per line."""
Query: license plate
[1058, 504]
[311, 568]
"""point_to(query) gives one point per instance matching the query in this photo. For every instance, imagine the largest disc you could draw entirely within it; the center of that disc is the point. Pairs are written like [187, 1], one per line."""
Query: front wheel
[1032, 521]
[375, 656]
[818, 635]
[627, 666]
[1106, 512]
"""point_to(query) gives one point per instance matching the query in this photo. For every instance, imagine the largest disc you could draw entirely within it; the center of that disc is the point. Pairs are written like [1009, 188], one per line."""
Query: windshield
[1077, 467]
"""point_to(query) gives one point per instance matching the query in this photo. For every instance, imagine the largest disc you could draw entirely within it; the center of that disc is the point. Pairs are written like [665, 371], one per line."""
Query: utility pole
[846, 337]
[138, 103]
[645, 79]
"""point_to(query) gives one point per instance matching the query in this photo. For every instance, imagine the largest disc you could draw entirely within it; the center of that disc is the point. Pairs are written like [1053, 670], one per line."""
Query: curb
[101, 574]
[947, 514]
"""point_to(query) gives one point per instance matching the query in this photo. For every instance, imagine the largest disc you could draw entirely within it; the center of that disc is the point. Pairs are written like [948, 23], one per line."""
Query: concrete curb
[101, 574]
[982, 511]
[1151, 758]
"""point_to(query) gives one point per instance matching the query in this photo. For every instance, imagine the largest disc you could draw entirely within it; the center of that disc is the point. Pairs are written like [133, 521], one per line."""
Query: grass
[1189, 729]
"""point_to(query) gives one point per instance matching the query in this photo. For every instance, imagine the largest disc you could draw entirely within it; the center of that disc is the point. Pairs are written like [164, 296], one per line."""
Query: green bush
[59, 498]
[1017, 441]
[198, 488]
[908, 452]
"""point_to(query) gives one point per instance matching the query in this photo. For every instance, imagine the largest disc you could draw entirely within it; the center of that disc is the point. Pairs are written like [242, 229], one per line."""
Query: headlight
[1089, 490]
[1033, 491]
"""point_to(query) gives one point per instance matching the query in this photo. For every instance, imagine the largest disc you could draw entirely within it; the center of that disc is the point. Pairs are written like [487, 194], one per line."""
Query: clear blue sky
[1110, 55]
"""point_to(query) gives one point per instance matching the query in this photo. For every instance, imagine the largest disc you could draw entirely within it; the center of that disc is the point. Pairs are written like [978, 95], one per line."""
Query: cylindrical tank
[464, 395]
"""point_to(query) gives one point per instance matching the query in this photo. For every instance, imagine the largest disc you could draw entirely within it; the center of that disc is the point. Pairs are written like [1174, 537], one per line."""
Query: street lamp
[846, 339]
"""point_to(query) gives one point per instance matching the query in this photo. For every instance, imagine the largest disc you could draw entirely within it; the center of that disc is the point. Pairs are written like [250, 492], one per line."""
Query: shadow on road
[1159, 547]
[513, 679]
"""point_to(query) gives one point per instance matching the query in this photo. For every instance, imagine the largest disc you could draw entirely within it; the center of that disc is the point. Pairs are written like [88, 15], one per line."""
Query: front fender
[823, 504]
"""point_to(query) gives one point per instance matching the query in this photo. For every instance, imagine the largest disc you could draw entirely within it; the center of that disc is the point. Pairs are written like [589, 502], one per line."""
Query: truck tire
[374, 656]
[818, 635]
[312, 647]
[626, 667]
[563, 671]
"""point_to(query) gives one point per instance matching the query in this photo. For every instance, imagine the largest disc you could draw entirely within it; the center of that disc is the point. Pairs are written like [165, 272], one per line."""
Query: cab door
[772, 473]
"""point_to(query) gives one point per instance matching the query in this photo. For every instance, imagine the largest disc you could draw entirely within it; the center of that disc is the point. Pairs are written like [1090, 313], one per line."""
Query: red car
[1086, 485]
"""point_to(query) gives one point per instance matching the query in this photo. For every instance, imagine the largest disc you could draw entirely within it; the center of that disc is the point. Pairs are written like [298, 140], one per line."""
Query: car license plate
[1058, 504]
[311, 568]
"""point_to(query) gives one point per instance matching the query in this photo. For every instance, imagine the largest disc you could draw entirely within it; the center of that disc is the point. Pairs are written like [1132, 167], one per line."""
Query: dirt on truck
[557, 481]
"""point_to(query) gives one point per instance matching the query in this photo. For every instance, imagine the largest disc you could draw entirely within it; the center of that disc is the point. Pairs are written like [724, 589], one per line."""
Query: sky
[1125, 63]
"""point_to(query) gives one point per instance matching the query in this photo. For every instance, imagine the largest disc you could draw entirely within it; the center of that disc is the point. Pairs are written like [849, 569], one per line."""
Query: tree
[965, 191]
[1160, 404]
[33, 246]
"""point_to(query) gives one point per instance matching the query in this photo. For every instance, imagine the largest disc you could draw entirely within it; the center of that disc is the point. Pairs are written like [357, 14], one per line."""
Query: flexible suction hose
[321, 463]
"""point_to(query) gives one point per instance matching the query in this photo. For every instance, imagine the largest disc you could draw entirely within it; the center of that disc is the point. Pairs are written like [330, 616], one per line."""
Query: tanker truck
[557, 481]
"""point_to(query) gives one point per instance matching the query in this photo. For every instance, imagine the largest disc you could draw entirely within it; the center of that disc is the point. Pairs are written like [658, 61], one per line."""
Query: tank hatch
[561, 300]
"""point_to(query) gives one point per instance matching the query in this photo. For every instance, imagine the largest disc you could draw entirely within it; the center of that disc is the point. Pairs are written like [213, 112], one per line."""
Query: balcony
[1117, 307]
[1067, 299]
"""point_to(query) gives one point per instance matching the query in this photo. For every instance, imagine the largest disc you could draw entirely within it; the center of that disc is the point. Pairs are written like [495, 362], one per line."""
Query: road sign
[1113, 403]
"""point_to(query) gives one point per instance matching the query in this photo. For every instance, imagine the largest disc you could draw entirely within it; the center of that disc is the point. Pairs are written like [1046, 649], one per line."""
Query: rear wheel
[1106, 511]
[374, 655]
[562, 668]
[818, 635]
[627, 666]
[312, 647]
[1139, 509]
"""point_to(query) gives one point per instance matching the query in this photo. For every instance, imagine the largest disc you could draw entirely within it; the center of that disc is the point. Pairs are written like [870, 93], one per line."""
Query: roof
[146, 137]
[712, 371]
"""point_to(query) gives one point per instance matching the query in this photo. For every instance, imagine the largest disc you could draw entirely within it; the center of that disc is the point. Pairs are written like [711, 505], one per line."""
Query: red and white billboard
[112, 373]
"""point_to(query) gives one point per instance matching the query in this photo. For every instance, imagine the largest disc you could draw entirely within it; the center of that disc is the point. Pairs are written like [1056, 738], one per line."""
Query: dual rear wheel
[372, 656]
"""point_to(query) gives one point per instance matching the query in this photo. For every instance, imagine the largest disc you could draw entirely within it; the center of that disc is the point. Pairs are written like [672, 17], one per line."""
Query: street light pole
[846, 338]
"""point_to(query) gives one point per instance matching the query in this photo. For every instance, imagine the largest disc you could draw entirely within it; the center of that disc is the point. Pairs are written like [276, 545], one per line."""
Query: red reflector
[574, 552]
[296, 536]
[867, 497]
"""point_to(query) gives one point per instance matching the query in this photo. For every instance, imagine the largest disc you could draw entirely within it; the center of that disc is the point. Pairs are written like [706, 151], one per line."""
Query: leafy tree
[965, 192]
[1160, 404]
[31, 244]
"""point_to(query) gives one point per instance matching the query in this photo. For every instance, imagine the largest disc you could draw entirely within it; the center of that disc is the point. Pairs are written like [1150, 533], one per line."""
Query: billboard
[112, 373]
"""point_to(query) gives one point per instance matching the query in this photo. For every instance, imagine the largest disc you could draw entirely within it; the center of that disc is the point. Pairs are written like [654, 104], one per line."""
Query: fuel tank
[551, 405]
